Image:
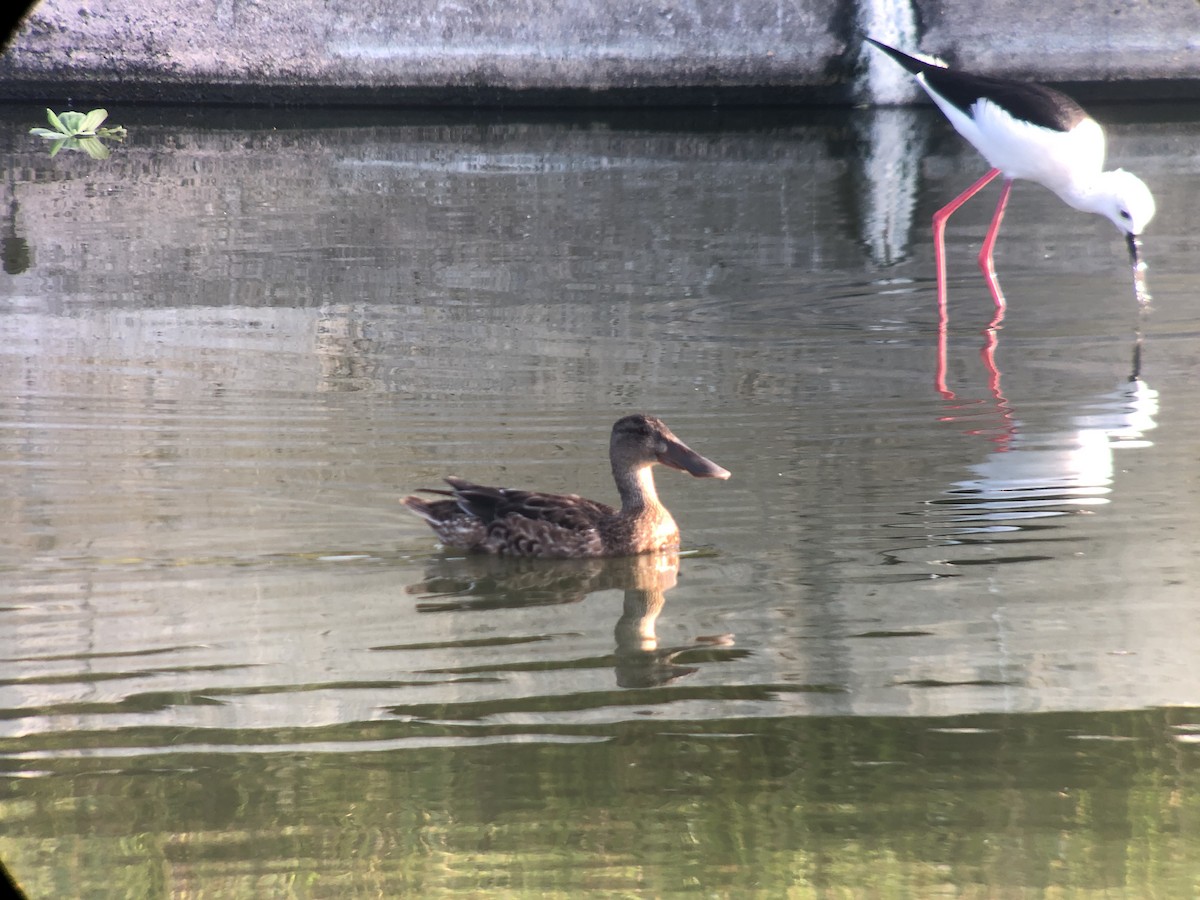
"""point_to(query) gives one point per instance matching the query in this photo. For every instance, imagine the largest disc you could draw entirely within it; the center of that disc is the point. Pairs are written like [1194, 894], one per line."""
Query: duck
[510, 522]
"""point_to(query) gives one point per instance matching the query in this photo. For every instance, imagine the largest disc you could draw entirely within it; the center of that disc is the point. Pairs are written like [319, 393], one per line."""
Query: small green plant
[80, 131]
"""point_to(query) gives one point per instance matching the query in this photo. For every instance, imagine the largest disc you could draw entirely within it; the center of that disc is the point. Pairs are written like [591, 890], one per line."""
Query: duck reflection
[639, 659]
[484, 582]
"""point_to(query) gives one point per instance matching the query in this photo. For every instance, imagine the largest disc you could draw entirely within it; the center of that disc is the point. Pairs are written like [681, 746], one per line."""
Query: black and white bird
[1033, 132]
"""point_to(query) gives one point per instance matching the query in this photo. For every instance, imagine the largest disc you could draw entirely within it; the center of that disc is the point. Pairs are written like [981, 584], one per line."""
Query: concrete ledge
[576, 52]
[1067, 40]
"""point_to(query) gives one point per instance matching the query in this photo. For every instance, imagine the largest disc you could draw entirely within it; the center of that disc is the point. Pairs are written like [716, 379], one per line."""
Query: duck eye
[1124, 214]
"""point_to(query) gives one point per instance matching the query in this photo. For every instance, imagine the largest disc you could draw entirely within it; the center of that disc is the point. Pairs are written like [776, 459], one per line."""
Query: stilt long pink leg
[939, 256]
[985, 254]
[939, 231]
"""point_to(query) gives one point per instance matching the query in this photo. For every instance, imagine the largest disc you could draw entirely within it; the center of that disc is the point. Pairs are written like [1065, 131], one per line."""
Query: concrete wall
[568, 51]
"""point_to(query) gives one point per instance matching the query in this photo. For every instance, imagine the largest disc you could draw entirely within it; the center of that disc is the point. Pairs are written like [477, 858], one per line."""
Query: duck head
[639, 441]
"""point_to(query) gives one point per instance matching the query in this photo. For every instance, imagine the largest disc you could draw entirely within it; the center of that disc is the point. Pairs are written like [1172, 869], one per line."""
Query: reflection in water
[14, 249]
[1035, 474]
[1003, 413]
[482, 582]
[991, 343]
[987, 355]
[894, 143]
[640, 660]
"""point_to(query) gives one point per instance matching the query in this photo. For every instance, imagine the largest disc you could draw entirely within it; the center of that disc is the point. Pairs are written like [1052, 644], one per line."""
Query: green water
[1062, 803]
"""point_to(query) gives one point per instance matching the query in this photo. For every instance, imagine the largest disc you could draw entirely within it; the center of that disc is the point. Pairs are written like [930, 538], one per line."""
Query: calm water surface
[924, 642]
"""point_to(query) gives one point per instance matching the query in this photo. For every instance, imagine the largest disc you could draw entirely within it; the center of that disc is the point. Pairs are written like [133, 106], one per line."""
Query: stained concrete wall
[1068, 40]
[567, 51]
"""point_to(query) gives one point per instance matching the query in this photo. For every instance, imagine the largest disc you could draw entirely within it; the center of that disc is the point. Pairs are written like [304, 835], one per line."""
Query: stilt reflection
[1037, 473]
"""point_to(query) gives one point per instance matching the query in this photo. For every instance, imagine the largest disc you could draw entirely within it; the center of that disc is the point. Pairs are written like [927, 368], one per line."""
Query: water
[923, 642]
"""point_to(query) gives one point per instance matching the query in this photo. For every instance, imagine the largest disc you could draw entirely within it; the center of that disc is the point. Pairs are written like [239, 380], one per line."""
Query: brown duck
[527, 523]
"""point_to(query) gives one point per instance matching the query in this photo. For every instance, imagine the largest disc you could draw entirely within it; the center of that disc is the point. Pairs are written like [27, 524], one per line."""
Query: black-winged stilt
[1033, 132]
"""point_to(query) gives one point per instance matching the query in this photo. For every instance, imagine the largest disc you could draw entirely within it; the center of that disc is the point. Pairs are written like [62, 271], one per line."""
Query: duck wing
[454, 527]
[492, 503]
[532, 523]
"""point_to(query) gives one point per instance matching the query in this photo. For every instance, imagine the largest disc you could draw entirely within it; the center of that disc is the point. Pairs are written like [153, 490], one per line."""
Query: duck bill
[679, 455]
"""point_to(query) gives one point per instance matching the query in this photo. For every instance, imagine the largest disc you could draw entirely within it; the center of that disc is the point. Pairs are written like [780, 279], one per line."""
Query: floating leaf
[71, 121]
[92, 121]
[55, 123]
[80, 131]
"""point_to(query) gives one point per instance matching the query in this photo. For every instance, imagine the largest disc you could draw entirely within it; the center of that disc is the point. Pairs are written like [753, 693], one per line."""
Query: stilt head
[1128, 203]
[1125, 200]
